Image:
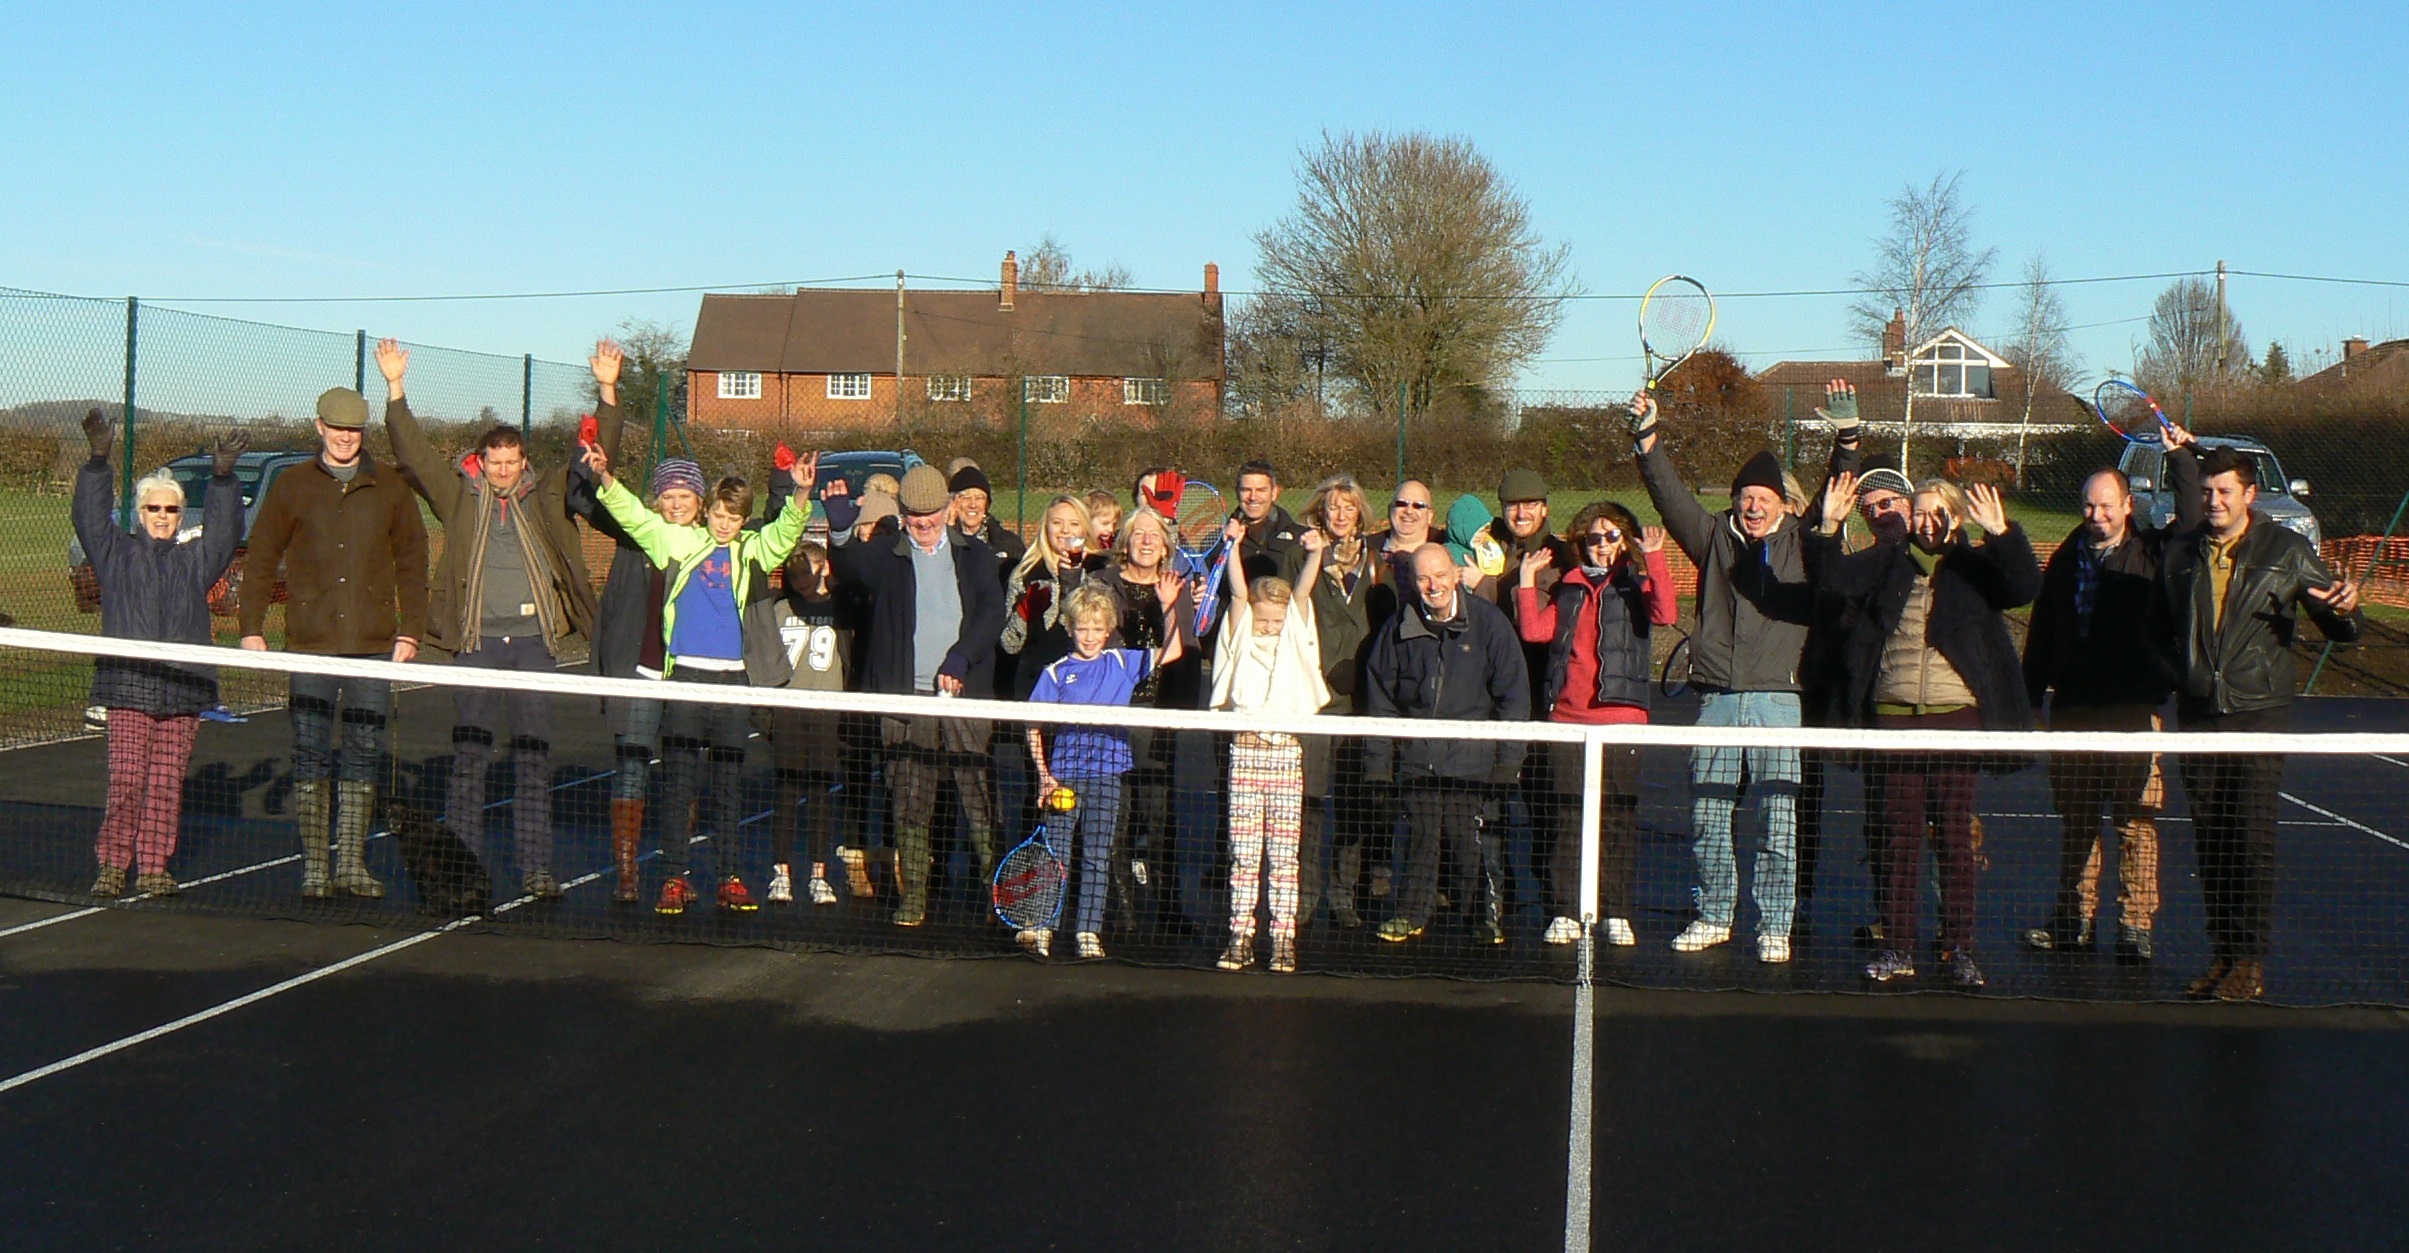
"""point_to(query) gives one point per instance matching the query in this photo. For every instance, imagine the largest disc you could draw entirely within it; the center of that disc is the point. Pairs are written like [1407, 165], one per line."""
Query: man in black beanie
[1754, 606]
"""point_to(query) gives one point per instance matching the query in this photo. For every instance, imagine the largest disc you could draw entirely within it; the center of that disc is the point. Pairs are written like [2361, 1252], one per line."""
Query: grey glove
[96, 431]
[225, 451]
[1841, 409]
[1640, 423]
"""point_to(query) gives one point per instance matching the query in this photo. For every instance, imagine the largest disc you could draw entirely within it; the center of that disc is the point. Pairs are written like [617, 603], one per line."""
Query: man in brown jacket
[510, 593]
[354, 556]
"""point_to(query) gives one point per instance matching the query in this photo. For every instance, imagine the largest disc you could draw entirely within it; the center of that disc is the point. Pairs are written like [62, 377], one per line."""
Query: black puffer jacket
[154, 589]
[1624, 652]
[2245, 661]
[1973, 586]
[1469, 669]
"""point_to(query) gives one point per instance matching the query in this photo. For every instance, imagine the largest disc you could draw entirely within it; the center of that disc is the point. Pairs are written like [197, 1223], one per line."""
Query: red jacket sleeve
[1535, 615]
[1664, 608]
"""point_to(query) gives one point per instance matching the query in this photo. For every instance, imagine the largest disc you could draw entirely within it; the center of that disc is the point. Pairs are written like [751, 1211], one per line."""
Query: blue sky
[210, 151]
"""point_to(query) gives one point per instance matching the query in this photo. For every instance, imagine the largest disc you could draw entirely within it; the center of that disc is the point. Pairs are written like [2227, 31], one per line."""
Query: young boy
[1090, 760]
[1104, 518]
[717, 633]
[1268, 662]
[809, 742]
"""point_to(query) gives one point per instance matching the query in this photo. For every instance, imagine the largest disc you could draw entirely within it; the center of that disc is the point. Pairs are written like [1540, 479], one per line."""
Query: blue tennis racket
[2129, 411]
[1029, 885]
[1197, 531]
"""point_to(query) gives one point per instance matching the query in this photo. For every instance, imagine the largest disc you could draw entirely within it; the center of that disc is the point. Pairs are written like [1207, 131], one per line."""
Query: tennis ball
[1063, 799]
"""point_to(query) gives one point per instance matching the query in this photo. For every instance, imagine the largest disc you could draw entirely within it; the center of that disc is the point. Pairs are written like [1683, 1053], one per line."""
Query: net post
[1581, 1131]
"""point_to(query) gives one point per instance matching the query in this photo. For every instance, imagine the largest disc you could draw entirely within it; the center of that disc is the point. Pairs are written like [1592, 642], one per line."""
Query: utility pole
[2221, 341]
[899, 345]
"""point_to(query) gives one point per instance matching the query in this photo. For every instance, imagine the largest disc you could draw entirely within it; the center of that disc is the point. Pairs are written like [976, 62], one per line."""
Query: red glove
[1161, 492]
[783, 459]
[1033, 605]
[589, 432]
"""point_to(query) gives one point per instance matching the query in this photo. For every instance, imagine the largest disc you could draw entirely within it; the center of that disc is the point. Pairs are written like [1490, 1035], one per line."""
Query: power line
[975, 283]
[2321, 278]
[541, 295]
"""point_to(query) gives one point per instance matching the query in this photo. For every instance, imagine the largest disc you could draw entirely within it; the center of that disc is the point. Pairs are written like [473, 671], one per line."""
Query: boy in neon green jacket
[717, 628]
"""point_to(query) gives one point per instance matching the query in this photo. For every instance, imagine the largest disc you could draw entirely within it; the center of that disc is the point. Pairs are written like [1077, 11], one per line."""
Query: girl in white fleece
[1267, 662]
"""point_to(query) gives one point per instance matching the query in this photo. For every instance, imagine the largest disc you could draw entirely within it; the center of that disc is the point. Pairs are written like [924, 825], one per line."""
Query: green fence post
[1020, 507]
[359, 361]
[526, 393]
[660, 415]
[1400, 430]
[125, 474]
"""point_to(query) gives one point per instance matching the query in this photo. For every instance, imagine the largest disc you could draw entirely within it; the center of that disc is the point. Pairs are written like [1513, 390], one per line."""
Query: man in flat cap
[353, 548]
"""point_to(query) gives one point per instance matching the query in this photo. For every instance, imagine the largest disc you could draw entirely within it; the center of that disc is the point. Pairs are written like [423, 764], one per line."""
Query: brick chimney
[2352, 347]
[1894, 339]
[1011, 280]
[1212, 288]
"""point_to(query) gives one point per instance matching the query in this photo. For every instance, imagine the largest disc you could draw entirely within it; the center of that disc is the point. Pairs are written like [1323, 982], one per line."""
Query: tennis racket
[2129, 411]
[1675, 318]
[1197, 532]
[1029, 883]
[1675, 680]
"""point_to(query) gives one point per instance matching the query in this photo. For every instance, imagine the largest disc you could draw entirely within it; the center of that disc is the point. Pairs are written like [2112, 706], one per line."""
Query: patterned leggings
[147, 757]
[1267, 786]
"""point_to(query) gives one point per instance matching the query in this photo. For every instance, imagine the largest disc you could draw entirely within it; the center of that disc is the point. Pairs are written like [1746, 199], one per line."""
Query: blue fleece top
[1111, 679]
[707, 624]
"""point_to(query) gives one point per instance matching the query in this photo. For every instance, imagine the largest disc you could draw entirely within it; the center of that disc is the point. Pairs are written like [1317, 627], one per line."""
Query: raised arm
[2182, 471]
[1690, 523]
[1839, 408]
[644, 528]
[610, 422]
[222, 506]
[1664, 604]
[777, 540]
[420, 464]
[96, 496]
[2008, 575]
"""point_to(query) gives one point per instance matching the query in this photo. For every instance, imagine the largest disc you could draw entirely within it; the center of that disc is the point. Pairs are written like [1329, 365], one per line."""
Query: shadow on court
[493, 1092]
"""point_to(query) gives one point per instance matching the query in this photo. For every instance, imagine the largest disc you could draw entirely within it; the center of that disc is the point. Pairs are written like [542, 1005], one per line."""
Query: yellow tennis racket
[1675, 319]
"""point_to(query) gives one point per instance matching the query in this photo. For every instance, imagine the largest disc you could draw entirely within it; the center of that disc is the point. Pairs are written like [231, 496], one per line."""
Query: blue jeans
[365, 707]
[1716, 776]
[1097, 820]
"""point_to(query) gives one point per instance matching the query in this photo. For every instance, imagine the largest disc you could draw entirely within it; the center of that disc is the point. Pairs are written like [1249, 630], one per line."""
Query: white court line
[2356, 826]
[287, 859]
[2390, 761]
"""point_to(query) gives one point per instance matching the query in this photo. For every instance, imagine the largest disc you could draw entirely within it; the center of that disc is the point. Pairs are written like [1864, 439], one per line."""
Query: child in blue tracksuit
[1090, 760]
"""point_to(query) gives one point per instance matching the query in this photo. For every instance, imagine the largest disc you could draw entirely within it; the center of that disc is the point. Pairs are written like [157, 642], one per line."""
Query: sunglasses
[163, 508]
[1597, 539]
[1412, 506]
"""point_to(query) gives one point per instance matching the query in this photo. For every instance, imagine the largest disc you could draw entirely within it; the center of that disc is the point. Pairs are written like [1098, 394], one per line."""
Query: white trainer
[782, 886]
[1620, 934]
[1773, 949]
[1700, 936]
[1036, 940]
[1091, 946]
[821, 892]
[1563, 931]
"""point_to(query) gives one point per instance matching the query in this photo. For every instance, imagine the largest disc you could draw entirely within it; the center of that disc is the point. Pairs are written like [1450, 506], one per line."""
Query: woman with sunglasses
[154, 585]
[1596, 624]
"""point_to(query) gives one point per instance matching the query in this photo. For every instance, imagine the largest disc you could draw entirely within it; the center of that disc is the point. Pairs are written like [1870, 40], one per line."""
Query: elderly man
[1754, 607]
[932, 613]
[1448, 656]
[2236, 583]
[2100, 639]
[354, 555]
[510, 593]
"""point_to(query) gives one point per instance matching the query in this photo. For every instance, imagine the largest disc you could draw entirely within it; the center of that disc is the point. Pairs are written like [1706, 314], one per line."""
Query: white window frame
[1145, 391]
[1949, 353]
[848, 387]
[1046, 389]
[949, 387]
[740, 385]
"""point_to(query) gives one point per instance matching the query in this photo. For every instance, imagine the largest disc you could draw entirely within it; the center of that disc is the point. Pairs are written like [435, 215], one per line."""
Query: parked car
[855, 468]
[252, 473]
[2278, 497]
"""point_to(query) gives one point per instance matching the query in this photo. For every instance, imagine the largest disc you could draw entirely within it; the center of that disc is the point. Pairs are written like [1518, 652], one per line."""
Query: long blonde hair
[1042, 552]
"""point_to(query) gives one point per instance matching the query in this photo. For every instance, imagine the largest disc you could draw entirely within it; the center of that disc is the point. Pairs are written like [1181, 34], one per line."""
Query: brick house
[831, 360]
[2380, 367]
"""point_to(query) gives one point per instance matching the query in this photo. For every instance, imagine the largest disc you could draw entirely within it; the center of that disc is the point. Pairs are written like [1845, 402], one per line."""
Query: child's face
[814, 583]
[1088, 636]
[680, 507]
[1269, 616]
[1108, 525]
[725, 523]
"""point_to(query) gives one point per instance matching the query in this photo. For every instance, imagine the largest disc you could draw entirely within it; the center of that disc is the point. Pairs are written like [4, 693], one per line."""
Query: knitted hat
[677, 472]
[342, 409]
[969, 477]
[924, 490]
[1521, 485]
[1762, 470]
[1883, 479]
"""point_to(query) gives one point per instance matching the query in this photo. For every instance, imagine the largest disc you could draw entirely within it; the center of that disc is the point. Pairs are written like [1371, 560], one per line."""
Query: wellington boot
[358, 806]
[982, 847]
[911, 874]
[310, 813]
[1346, 868]
[627, 829]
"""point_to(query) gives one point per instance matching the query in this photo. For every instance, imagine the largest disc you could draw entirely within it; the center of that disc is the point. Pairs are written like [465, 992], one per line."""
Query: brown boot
[2206, 985]
[2246, 981]
[627, 828]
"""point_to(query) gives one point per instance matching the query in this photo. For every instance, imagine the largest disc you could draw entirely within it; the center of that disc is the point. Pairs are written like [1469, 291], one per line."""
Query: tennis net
[2093, 865]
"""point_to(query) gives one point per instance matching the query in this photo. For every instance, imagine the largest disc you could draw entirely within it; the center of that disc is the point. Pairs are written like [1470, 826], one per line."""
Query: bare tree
[1413, 263]
[655, 365]
[2038, 348]
[2190, 332]
[1047, 267]
[1926, 271]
